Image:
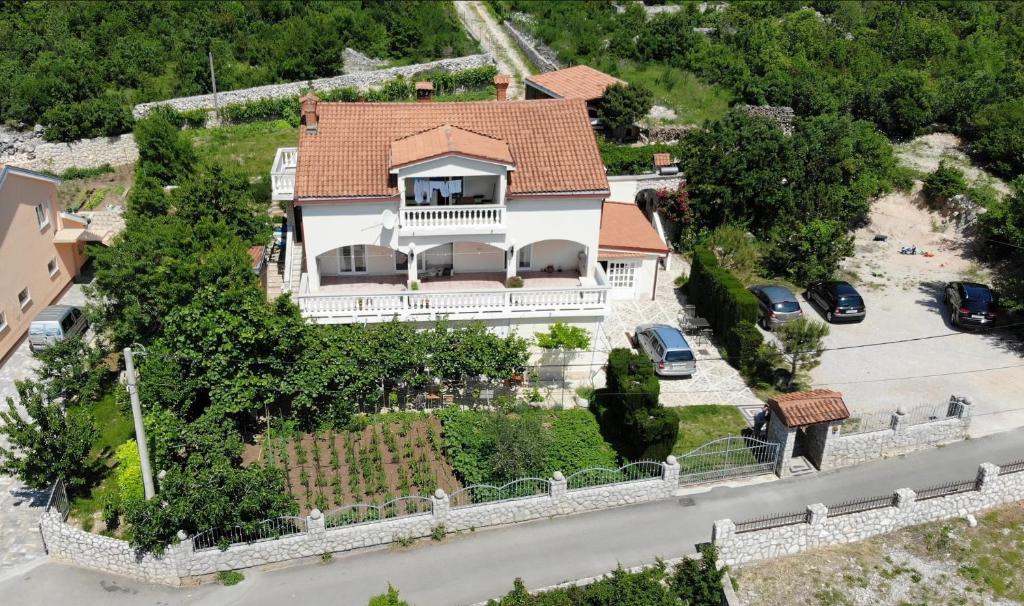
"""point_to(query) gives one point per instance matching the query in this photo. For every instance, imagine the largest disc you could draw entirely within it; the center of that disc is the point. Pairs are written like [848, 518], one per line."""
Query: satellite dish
[388, 219]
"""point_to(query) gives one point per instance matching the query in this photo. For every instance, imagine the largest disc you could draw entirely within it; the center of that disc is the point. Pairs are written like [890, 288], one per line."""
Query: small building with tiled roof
[630, 244]
[578, 82]
[483, 210]
[803, 408]
[802, 425]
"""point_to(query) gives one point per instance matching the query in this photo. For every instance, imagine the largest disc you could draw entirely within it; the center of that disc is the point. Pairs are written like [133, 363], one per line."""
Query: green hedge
[628, 410]
[628, 160]
[730, 308]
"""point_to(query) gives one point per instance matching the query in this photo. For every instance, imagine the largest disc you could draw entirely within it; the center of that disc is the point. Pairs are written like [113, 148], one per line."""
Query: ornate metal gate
[731, 457]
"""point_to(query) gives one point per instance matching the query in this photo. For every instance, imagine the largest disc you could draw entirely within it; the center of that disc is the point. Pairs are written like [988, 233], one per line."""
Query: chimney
[501, 87]
[424, 91]
[307, 105]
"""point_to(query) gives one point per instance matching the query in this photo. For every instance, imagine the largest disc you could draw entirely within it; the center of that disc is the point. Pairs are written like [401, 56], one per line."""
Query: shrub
[230, 577]
[438, 532]
[628, 410]
[742, 342]
[629, 160]
[564, 336]
[942, 184]
[721, 298]
[85, 173]
[514, 282]
[97, 117]
[388, 599]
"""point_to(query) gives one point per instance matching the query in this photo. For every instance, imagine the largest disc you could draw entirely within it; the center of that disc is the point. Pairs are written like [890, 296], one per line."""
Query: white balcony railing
[282, 173]
[473, 304]
[450, 219]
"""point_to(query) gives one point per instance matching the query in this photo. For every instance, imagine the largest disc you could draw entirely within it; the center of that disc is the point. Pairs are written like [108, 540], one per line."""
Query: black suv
[839, 301]
[970, 304]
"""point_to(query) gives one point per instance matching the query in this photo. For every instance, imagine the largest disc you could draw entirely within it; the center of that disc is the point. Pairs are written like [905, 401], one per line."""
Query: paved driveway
[715, 381]
[19, 506]
[934, 362]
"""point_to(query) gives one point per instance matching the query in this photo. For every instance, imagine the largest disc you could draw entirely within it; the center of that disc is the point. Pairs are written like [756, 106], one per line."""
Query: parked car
[668, 350]
[970, 304]
[778, 305]
[55, 323]
[838, 300]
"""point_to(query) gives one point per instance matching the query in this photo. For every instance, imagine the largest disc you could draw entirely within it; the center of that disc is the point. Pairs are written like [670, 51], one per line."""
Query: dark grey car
[778, 305]
[838, 300]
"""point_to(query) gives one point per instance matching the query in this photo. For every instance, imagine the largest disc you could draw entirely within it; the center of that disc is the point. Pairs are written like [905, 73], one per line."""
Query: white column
[413, 275]
[513, 261]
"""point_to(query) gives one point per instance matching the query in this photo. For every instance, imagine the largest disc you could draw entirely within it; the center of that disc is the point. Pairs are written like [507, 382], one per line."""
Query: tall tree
[801, 343]
[624, 105]
[164, 152]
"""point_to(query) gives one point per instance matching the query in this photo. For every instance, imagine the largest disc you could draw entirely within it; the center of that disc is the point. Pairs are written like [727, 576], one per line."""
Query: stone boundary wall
[543, 57]
[65, 543]
[74, 546]
[852, 449]
[822, 530]
[360, 80]
[33, 153]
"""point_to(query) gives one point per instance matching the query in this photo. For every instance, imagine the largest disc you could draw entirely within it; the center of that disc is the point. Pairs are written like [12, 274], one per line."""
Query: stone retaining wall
[30, 151]
[843, 450]
[65, 543]
[181, 561]
[543, 57]
[735, 549]
[360, 80]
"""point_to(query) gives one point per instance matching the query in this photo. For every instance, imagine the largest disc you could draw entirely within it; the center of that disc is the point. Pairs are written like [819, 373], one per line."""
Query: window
[526, 256]
[352, 259]
[3, 321]
[24, 298]
[52, 267]
[42, 215]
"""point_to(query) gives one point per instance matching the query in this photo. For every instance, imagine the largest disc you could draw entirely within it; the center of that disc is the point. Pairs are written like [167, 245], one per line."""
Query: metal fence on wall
[926, 413]
[350, 515]
[478, 494]
[731, 457]
[264, 530]
[773, 521]
[58, 499]
[600, 476]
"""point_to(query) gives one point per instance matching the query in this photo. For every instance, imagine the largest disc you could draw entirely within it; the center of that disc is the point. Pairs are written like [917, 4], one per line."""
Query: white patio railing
[282, 173]
[477, 216]
[471, 304]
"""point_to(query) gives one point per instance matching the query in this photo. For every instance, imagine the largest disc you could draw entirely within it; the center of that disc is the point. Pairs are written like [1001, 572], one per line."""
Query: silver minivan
[55, 323]
[667, 348]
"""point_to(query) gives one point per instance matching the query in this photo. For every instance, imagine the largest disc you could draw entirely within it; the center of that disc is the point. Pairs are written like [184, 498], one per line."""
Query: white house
[489, 210]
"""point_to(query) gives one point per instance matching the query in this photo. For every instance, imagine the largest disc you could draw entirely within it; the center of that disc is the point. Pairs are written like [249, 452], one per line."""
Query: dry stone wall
[536, 51]
[181, 561]
[27, 149]
[361, 80]
[735, 549]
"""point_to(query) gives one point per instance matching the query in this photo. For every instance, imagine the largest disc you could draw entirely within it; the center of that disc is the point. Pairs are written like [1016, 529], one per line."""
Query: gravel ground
[479, 22]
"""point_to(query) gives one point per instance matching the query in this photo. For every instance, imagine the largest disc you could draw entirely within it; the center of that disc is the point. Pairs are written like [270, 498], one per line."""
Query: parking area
[20, 507]
[921, 359]
[715, 382]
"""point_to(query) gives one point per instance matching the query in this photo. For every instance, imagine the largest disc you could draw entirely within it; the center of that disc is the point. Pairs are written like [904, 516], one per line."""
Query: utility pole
[213, 81]
[140, 430]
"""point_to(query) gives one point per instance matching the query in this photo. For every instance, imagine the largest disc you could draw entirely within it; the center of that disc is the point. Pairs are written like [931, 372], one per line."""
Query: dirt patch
[924, 154]
[942, 250]
[938, 564]
[96, 193]
[495, 40]
[384, 461]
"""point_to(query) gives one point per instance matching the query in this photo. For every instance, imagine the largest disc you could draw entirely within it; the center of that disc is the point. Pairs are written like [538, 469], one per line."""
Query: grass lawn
[692, 99]
[115, 428]
[251, 146]
[699, 425]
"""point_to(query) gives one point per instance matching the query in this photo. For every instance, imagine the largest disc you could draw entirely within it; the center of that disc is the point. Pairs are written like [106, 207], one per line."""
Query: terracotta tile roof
[662, 159]
[257, 256]
[551, 141]
[502, 79]
[804, 408]
[611, 255]
[444, 140]
[624, 227]
[424, 85]
[579, 82]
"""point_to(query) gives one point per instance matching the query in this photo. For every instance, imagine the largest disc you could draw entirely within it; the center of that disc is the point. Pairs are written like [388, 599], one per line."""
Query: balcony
[282, 173]
[450, 220]
[477, 297]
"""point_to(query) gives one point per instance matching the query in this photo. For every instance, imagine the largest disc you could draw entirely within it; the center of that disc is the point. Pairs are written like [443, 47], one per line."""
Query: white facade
[452, 256]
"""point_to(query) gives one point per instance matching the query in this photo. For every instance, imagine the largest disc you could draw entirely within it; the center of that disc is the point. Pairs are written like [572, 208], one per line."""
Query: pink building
[41, 250]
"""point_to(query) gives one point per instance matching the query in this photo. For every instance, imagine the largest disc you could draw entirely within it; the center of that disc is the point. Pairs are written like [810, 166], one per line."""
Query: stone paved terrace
[715, 382]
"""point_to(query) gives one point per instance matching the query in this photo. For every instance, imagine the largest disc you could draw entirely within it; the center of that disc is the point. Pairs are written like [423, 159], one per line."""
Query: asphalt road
[476, 566]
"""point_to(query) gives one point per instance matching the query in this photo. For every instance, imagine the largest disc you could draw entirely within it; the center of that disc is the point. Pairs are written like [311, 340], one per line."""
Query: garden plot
[385, 460]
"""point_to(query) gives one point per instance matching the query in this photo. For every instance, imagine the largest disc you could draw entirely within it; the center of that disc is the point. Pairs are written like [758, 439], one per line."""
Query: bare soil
[97, 193]
[383, 461]
[938, 564]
